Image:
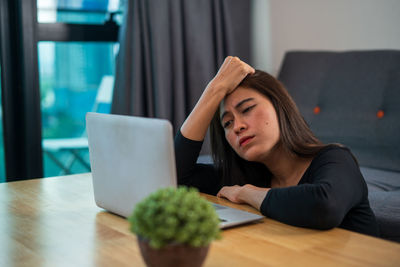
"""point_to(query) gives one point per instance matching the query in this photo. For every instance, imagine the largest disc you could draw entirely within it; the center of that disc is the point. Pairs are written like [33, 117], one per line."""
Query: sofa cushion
[384, 198]
[358, 95]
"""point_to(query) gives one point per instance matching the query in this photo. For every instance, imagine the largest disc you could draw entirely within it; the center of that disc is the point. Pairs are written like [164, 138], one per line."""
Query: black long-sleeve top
[331, 193]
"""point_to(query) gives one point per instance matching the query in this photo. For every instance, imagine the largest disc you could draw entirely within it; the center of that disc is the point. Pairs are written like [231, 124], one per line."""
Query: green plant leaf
[172, 215]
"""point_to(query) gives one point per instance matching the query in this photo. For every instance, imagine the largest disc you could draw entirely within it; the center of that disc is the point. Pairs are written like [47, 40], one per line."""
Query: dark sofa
[353, 98]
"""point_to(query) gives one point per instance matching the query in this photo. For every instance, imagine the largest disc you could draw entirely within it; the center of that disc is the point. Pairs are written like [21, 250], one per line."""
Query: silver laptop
[132, 157]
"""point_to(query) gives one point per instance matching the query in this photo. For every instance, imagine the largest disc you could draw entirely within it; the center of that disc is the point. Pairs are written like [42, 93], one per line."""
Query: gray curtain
[171, 49]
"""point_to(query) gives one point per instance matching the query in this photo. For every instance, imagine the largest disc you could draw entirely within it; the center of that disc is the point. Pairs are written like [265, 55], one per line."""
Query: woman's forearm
[248, 194]
[253, 195]
[196, 125]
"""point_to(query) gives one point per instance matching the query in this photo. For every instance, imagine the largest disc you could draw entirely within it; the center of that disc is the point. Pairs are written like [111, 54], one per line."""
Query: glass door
[71, 75]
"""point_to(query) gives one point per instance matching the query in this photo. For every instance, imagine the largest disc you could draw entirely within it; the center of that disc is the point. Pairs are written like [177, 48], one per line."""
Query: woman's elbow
[327, 215]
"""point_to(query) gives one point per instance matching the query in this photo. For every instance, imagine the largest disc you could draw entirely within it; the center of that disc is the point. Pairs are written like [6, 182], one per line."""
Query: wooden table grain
[55, 222]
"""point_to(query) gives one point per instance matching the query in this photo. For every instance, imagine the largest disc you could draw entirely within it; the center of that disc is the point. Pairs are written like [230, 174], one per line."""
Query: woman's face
[250, 123]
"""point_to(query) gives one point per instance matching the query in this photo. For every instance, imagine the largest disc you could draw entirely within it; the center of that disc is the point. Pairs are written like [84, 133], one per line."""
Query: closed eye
[227, 124]
[248, 108]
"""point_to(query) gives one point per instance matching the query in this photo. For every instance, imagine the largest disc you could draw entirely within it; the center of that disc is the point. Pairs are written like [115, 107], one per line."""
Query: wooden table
[55, 222]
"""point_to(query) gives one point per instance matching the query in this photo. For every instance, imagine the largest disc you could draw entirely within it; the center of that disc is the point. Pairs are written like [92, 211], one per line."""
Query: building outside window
[70, 75]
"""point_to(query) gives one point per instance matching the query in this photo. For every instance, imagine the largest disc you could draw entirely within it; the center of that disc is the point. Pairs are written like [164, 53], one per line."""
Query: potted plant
[174, 227]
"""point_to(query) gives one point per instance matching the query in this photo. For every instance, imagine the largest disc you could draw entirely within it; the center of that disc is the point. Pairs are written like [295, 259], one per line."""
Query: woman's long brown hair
[295, 135]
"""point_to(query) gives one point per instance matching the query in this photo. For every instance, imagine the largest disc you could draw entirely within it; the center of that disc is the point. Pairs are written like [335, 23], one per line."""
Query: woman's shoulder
[331, 160]
[334, 153]
[333, 149]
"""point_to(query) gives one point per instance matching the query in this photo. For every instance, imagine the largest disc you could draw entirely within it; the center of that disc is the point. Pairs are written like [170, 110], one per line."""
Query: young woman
[266, 156]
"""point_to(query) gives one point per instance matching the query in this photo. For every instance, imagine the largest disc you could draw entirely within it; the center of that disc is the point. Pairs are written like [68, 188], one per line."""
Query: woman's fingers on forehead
[237, 61]
[252, 70]
[249, 68]
[234, 58]
[227, 60]
[238, 65]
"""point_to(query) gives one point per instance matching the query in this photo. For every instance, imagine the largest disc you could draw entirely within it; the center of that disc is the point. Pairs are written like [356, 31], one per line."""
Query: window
[70, 77]
[54, 55]
[77, 11]
[70, 74]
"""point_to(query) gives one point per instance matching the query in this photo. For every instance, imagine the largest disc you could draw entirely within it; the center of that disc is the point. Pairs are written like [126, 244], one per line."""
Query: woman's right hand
[230, 75]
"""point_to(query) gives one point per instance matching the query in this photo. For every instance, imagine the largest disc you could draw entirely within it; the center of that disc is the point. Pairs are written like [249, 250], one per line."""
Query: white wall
[282, 25]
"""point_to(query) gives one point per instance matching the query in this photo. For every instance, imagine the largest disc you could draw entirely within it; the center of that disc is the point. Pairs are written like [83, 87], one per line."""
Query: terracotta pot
[174, 255]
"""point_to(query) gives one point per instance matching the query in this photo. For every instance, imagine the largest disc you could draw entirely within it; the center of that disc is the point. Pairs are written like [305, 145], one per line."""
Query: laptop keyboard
[218, 207]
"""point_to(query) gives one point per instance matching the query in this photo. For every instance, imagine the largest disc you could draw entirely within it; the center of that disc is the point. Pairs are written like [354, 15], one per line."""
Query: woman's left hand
[232, 193]
[248, 194]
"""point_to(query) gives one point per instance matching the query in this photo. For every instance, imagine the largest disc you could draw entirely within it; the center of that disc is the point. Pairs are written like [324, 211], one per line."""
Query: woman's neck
[287, 168]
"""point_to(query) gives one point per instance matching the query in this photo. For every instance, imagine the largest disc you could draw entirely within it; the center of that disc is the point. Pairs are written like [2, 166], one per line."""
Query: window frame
[20, 33]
